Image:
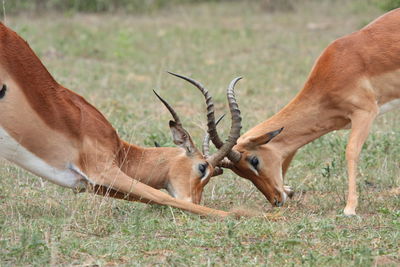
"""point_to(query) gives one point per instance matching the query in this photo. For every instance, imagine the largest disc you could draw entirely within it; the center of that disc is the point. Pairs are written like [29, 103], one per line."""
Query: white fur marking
[206, 174]
[16, 153]
[284, 197]
[171, 190]
[389, 106]
[188, 199]
[72, 167]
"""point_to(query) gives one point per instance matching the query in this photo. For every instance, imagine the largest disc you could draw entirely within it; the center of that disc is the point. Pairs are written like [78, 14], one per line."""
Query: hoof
[349, 212]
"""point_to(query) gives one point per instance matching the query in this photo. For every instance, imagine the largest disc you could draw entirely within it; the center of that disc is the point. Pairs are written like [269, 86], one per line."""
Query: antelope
[356, 78]
[56, 134]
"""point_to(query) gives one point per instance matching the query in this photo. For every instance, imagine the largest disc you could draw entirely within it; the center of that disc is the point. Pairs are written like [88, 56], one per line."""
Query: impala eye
[202, 168]
[254, 162]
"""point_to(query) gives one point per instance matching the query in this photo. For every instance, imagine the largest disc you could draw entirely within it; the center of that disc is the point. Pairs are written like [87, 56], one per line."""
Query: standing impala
[356, 78]
[55, 134]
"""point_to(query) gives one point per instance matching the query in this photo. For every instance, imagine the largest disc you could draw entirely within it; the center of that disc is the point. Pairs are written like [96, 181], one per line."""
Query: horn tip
[173, 73]
[234, 82]
[158, 96]
[220, 118]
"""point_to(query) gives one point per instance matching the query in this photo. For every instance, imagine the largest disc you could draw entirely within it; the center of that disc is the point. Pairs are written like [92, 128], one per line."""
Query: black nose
[277, 203]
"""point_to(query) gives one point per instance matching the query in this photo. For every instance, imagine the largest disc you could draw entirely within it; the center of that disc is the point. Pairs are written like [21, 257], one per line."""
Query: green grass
[115, 61]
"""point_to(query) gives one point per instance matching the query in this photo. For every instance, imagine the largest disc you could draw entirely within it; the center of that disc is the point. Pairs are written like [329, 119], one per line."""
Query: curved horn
[206, 140]
[171, 110]
[226, 149]
[212, 128]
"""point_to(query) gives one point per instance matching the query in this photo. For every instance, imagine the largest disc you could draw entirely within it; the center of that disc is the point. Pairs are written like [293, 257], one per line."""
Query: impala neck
[148, 165]
[307, 117]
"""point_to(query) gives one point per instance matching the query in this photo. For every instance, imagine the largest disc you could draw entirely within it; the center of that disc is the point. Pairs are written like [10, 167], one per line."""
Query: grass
[115, 60]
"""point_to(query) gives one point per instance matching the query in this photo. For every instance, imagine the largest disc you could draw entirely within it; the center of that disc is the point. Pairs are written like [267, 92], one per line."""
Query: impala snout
[274, 194]
[280, 201]
[255, 168]
[188, 183]
[196, 196]
[186, 195]
[190, 190]
[277, 196]
[199, 182]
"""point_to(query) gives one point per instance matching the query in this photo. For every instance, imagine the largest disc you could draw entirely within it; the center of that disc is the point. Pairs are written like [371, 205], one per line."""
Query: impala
[356, 78]
[57, 135]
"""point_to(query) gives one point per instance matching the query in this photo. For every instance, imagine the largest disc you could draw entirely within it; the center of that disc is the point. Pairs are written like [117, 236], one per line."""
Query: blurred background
[145, 6]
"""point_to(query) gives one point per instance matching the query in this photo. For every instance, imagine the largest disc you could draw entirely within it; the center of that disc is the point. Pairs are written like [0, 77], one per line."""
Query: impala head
[257, 163]
[189, 170]
[254, 158]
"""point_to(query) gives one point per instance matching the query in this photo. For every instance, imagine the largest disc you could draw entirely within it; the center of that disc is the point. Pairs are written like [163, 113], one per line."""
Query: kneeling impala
[356, 78]
[55, 134]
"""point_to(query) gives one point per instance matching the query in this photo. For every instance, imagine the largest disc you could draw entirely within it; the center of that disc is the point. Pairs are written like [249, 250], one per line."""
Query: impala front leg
[361, 123]
[286, 163]
[109, 192]
[114, 178]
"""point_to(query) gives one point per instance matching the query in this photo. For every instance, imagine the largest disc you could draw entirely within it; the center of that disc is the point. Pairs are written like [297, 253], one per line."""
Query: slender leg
[289, 191]
[361, 122]
[114, 178]
[109, 192]
[287, 162]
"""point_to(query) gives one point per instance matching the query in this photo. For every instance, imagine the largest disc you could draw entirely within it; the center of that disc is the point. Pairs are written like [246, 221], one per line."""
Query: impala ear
[182, 138]
[264, 138]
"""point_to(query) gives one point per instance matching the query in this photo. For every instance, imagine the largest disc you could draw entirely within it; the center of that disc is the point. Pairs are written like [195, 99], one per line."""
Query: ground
[115, 61]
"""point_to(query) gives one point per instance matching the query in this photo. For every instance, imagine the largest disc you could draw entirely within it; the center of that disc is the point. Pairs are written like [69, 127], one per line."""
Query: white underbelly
[16, 153]
[394, 104]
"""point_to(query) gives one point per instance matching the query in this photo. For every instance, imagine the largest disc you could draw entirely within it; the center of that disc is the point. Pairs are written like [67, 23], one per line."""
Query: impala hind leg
[361, 122]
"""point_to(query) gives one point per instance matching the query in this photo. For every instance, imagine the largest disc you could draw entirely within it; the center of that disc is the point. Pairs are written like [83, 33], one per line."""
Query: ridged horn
[234, 134]
[206, 140]
[212, 128]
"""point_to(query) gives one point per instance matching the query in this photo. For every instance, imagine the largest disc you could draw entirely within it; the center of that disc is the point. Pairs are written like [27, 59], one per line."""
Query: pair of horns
[224, 149]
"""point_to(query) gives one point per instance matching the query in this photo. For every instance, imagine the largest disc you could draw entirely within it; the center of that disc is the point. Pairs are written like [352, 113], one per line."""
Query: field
[115, 60]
